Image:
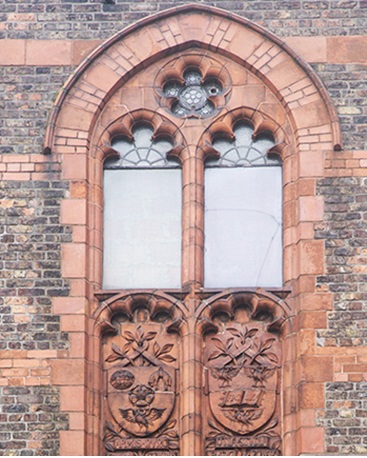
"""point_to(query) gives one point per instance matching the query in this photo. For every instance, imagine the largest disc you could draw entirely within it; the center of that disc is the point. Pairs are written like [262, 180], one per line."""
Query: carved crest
[140, 378]
[242, 376]
[141, 388]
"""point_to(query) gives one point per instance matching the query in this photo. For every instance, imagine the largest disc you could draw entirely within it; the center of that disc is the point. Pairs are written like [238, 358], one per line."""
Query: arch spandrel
[292, 81]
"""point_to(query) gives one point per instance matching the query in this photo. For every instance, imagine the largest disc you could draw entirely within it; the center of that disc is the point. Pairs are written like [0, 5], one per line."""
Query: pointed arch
[293, 82]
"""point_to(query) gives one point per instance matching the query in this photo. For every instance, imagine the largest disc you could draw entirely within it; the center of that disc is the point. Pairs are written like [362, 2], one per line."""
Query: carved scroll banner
[141, 380]
[242, 365]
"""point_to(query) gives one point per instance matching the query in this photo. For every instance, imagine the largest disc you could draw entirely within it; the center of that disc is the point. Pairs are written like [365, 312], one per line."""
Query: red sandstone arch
[294, 83]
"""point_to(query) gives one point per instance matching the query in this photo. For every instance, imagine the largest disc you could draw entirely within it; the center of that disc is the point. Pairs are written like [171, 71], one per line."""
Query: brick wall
[91, 19]
[30, 420]
[31, 335]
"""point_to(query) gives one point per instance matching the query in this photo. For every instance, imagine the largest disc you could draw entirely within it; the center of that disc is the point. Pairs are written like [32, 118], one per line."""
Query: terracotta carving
[242, 364]
[141, 379]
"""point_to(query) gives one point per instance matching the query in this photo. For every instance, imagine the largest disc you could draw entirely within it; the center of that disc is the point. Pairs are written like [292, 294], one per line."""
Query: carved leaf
[251, 332]
[166, 348]
[156, 348]
[109, 426]
[272, 357]
[267, 344]
[111, 358]
[171, 424]
[219, 344]
[129, 336]
[150, 335]
[234, 332]
[117, 350]
[216, 354]
[230, 343]
[167, 358]
[127, 347]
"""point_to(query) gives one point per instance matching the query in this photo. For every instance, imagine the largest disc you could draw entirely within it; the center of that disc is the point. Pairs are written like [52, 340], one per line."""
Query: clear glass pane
[243, 227]
[142, 229]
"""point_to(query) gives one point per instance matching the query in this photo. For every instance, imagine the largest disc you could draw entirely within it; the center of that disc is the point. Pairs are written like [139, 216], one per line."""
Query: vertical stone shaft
[191, 402]
[192, 218]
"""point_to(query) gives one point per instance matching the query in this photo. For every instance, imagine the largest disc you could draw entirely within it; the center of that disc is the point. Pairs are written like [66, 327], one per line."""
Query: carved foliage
[242, 364]
[140, 367]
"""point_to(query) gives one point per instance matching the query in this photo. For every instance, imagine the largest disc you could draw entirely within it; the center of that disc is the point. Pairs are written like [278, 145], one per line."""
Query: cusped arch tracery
[261, 126]
[159, 305]
[158, 127]
[258, 304]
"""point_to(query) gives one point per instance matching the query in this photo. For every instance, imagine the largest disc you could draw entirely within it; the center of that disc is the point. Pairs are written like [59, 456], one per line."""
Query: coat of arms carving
[141, 382]
[242, 369]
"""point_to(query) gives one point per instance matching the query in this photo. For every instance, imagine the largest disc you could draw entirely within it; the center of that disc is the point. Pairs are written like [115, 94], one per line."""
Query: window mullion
[192, 217]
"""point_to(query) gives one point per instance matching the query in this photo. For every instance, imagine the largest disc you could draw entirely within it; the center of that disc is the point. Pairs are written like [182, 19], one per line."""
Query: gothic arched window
[142, 213]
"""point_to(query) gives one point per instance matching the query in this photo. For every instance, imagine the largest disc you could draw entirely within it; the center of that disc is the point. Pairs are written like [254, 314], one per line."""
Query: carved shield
[141, 399]
[242, 398]
[242, 369]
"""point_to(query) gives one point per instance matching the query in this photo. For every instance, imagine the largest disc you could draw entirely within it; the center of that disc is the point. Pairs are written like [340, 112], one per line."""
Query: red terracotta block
[72, 443]
[311, 440]
[73, 323]
[73, 211]
[311, 164]
[68, 372]
[73, 398]
[12, 52]
[77, 345]
[69, 305]
[76, 420]
[48, 52]
[311, 396]
[347, 49]
[306, 417]
[311, 49]
[311, 208]
[311, 256]
[74, 167]
[317, 368]
[82, 48]
[73, 260]
[313, 320]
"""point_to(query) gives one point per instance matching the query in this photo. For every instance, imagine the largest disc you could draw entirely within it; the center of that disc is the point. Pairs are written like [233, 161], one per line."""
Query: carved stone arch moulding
[295, 84]
[242, 358]
[141, 377]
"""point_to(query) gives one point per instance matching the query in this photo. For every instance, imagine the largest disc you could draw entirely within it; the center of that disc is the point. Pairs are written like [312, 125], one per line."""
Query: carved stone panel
[141, 379]
[242, 365]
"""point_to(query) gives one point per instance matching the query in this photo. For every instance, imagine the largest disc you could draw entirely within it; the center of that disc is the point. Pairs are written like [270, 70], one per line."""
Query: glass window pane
[142, 229]
[243, 227]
